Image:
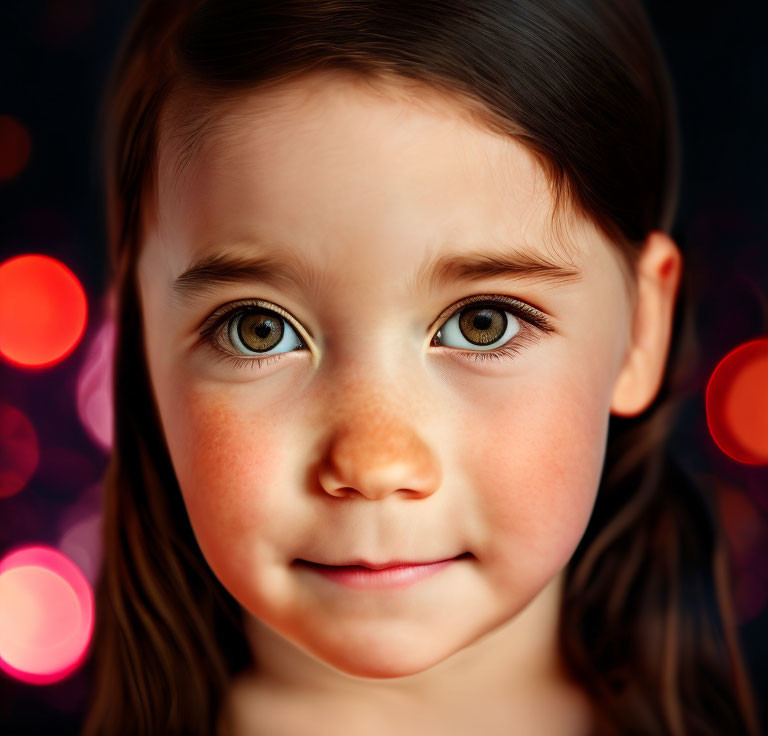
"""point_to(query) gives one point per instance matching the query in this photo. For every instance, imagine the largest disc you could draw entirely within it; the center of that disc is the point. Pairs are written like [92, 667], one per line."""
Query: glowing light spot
[81, 542]
[747, 532]
[19, 450]
[15, 147]
[46, 615]
[737, 403]
[94, 387]
[744, 525]
[43, 311]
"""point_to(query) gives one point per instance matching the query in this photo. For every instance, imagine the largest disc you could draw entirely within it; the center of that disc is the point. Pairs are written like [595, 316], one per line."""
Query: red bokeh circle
[19, 450]
[737, 403]
[43, 311]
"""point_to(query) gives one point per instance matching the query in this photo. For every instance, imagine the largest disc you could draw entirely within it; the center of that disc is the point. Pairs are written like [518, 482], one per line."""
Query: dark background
[54, 58]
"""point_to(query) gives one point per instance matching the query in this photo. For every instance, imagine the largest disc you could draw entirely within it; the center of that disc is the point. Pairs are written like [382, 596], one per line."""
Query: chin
[372, 668]
[380, 658]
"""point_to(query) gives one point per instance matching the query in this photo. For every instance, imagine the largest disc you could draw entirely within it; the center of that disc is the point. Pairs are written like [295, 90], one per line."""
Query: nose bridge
[375, 446]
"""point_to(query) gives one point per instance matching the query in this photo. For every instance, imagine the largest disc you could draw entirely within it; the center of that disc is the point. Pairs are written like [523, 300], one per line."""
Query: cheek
[228, 461]
[536, 467]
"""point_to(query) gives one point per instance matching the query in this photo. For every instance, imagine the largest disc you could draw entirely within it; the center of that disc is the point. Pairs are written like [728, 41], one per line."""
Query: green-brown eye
[250, 333]
[491, 329]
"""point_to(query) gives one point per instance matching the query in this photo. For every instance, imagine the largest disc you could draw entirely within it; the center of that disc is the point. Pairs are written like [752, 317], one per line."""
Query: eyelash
[532, 323]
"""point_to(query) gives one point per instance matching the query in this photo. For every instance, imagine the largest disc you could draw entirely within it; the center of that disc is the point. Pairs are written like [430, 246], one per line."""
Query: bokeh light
[79, 529]
[15, 147]
[19, 450]
[43, 310]
[81, 542]
[94, 387]
[46, 615]
[737, 403]
[747, 531]
[744, 525]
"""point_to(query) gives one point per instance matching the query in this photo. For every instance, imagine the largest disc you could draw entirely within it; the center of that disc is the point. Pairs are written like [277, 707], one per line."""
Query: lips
[382, 565]
[389, 576]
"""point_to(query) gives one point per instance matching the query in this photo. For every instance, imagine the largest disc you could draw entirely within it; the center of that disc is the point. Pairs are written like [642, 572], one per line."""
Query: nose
[376, 455]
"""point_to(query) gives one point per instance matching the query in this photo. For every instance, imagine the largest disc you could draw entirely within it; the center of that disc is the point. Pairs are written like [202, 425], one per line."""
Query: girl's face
[387, 419]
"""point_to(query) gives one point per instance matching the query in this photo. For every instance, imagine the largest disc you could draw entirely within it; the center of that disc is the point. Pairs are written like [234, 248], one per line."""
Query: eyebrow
[209, 272]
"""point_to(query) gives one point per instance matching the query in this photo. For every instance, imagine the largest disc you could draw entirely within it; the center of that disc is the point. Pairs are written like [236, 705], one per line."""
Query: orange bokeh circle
[737, 403]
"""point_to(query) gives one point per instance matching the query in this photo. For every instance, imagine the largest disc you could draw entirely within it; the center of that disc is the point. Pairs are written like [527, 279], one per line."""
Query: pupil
[263, 329]
[482, 325]
[482, 321]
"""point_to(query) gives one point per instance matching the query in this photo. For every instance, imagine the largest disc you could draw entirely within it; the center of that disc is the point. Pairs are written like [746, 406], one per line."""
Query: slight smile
[396, 574]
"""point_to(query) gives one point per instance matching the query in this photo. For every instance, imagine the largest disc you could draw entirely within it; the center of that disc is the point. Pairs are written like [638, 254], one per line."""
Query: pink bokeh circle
[46, 615]
[94, 387]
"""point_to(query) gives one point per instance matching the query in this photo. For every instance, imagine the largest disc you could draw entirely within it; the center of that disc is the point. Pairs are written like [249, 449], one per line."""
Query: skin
[372, 442]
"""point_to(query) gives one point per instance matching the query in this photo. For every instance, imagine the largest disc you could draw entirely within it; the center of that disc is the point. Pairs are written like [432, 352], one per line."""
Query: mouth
[368, 576]
[366, 565]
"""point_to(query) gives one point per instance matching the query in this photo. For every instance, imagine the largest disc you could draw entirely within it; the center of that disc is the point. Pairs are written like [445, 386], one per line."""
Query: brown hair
[647, 625]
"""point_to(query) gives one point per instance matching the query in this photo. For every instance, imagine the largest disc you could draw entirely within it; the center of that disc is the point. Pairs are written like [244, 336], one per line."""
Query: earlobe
[658, 273]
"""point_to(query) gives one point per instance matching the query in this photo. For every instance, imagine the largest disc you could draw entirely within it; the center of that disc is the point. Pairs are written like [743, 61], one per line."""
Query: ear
[658, 273]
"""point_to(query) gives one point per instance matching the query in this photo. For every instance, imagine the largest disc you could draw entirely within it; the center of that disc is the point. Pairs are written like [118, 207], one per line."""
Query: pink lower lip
[364, 578]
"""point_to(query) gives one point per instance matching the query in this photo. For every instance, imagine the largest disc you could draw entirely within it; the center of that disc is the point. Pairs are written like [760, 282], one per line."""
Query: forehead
[349, 160]
[332, 111]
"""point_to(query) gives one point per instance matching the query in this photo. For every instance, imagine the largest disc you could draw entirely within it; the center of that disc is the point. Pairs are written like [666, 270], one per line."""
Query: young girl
[398, 346]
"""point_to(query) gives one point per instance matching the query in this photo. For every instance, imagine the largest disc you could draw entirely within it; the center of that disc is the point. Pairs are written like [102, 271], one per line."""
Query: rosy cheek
[536, 461]
[227, 461]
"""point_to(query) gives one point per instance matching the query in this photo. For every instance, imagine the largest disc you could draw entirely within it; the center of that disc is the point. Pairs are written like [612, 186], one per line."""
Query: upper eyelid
[225, 311]
[517, 307]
